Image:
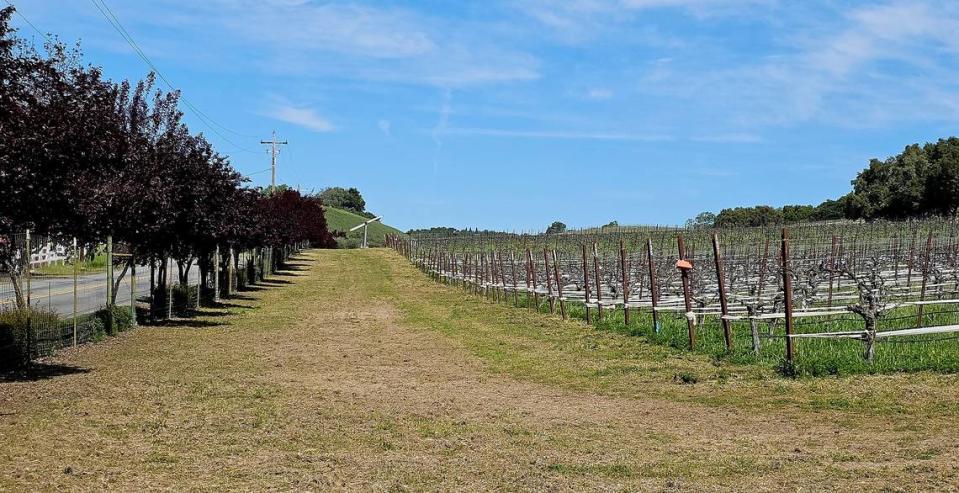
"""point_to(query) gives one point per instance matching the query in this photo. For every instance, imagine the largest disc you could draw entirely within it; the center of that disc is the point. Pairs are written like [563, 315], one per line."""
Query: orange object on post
[684, 264]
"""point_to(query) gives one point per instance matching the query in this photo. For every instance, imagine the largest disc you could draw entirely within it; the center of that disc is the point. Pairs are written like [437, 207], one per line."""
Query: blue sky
[512, 114]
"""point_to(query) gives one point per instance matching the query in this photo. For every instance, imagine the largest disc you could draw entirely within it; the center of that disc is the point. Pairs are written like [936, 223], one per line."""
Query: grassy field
[356, 372]
[66, 269]
[341, 220]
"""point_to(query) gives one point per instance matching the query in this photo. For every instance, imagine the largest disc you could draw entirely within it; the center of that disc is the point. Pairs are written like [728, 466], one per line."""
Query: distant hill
[341, 220]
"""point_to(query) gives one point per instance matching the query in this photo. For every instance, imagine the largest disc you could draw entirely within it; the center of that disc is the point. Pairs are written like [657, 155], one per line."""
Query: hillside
[341, 220]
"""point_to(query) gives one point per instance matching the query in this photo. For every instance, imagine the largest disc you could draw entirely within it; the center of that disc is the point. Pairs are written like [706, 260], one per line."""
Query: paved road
[56, 293]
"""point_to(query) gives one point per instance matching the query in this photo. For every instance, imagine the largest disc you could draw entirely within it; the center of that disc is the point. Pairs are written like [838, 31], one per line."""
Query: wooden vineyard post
[586, 282]
[912, 258]
[512, 272]
[599, 288]
[502, 276]
[453, 263]
[653, 291]
[494, 278]
[485, 273]
[477, 274]
[687, 295]
[549, 282]
[625, 274]
[526, 268]
[721, 285]
[925, 279]
[487, 265]
[787, 294]
[532, 277]
[489, 273]
[559, 286]
[895, 269]
[832, 270]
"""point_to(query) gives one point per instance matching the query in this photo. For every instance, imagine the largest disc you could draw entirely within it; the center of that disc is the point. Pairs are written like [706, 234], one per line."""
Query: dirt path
[351, 375]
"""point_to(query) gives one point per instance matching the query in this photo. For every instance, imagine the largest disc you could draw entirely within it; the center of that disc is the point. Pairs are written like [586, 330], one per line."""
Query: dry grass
[363, 375]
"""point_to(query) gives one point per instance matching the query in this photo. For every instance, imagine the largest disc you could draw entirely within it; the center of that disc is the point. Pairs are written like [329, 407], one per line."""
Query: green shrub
[110, 320]
[184, 300]
[17, 346]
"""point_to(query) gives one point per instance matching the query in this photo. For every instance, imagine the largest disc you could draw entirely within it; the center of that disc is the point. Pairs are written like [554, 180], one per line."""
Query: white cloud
[728, 138]
[376, 43]
[578, 20]
[866, 67]
[304, 117]
[557, 134]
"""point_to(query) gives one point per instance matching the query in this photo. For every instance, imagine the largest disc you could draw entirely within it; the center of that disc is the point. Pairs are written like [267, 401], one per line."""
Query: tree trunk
[869, 339]
[116, 284]
[17, 289]
[754, 328]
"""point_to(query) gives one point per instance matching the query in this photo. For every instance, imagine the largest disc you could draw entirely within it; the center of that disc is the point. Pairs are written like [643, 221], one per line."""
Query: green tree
[831, 210]
[798, 213]
[942, 182]
[894, 188]
[344, 198]
[702, 220]
[760, 215]
[556, 227]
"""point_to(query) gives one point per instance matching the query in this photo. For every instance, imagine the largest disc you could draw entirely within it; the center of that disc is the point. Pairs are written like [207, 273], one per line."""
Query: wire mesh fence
[57, 293]
[829, 298]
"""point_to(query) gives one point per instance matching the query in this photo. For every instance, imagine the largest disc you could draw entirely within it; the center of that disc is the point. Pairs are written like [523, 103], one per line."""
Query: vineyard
[811, 299]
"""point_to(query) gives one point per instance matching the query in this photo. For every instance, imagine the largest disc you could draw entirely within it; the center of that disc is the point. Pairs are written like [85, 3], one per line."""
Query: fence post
[925, 278]
[532, 276]
[230, 268]
[586, 283]
[625, 272]
[559, 286]
[216, 274]
[832, 269]
[133, 291]
[26, 258]
[169, 287]
[199, 284]
[76, 278]
[109, 271]
[653, 288]
[512, 275]
[687, 296]
[787, 294]
[549, 282]
[599, 288]
[723, 304]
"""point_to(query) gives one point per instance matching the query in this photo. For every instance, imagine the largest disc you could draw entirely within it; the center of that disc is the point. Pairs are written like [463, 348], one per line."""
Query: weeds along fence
[56, 293]
[816, 299]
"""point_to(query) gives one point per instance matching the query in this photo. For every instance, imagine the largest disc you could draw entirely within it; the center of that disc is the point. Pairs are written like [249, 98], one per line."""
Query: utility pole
[274, 150]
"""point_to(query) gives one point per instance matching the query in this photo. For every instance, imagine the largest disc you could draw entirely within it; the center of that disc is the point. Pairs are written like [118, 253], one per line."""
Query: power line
[136, 46]
[35, 28]
[114, 21]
